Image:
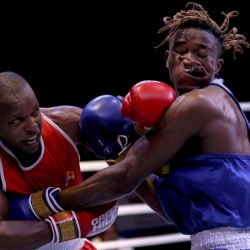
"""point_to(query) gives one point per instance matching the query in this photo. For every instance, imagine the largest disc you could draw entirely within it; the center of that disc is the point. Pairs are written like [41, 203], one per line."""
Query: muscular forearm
[24, 234]
[104, 186]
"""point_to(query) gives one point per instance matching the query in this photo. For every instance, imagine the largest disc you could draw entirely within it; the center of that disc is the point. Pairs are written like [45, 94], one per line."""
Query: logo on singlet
[69, 178]
[105, 220]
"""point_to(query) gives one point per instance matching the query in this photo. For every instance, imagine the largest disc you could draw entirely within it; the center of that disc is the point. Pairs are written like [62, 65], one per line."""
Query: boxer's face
[193, 58]
[20, 126]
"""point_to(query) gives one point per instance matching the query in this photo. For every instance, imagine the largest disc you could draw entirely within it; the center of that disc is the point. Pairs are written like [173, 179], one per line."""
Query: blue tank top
[207, 191]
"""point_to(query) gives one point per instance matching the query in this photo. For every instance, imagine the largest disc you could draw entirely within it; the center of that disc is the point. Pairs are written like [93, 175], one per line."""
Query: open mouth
[195, 70]
[31, 140]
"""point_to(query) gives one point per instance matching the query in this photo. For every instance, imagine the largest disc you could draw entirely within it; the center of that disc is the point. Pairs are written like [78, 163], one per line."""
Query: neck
[24, 158]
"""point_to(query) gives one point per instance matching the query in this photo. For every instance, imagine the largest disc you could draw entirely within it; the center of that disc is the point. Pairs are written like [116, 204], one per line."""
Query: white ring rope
[132, 209]
[245, 106]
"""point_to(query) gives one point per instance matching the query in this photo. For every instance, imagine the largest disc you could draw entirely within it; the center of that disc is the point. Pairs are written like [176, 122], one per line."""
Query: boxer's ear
[220, 63]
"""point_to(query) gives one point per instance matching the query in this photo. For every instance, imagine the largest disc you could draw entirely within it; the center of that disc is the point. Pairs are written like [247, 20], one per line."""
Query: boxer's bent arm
[21, 234]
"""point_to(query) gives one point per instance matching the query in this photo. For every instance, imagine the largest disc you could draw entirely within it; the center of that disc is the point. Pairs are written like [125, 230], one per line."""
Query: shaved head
[11, 83]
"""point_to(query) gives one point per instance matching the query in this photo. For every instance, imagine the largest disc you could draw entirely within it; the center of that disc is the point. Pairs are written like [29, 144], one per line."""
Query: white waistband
[226, 238]
[75, 244]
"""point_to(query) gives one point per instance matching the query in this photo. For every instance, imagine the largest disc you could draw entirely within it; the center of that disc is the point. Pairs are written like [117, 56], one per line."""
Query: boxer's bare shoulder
[66, 117]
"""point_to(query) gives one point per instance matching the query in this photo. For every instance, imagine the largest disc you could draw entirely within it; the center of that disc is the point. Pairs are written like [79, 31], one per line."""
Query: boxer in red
[38, 158]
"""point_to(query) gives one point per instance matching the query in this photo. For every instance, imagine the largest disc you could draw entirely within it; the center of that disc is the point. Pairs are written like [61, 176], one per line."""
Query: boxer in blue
[203, 137]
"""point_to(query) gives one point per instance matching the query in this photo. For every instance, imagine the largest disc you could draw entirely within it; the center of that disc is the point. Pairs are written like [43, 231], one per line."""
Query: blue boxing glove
[107, 133]
[36, 206]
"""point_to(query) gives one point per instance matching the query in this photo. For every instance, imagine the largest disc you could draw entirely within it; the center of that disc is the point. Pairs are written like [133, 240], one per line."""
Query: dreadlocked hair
[196, 16]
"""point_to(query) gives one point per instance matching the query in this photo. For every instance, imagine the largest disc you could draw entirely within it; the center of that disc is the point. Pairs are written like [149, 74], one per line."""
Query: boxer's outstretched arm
[117, 180]
[146, 156]
[104, 186]
[102, 118]
[21, 234]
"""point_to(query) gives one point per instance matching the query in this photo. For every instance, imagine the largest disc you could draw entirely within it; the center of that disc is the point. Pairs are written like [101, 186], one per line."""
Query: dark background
[73, 51]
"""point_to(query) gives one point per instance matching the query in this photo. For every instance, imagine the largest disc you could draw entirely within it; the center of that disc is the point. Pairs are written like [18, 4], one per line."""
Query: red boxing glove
[68, 225]
[147, 101]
